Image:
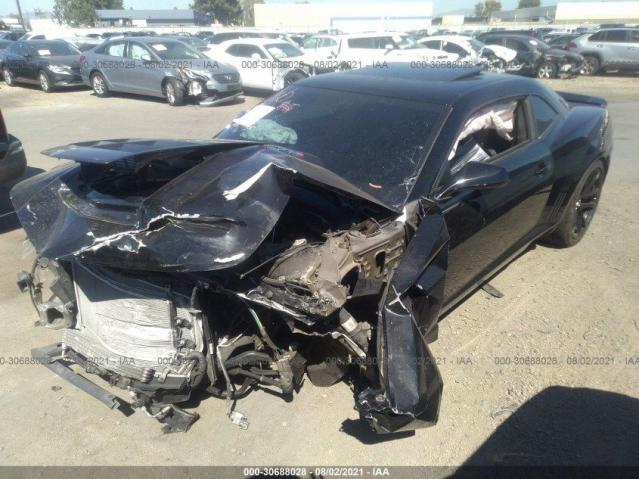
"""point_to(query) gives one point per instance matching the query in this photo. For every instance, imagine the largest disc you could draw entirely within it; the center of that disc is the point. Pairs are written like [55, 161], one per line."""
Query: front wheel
[45, 82]
[580, 209]
[99, 85]
[8, 77]
[174, 92]
[591, 65]
[546, 71]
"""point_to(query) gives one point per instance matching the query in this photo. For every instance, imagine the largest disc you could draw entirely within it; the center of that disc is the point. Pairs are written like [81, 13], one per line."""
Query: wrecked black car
[323, 234]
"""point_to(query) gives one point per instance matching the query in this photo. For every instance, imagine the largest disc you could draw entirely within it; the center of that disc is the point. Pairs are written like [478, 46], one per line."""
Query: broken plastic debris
[239, 419]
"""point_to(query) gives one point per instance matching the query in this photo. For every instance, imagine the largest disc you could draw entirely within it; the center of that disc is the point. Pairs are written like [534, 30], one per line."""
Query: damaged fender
[410, 385]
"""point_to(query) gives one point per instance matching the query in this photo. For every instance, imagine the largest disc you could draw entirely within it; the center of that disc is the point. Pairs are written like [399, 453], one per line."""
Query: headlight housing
[60, 68]
[188, 74]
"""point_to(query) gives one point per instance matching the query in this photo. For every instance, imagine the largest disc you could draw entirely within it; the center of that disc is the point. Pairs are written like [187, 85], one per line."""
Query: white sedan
[265, 63]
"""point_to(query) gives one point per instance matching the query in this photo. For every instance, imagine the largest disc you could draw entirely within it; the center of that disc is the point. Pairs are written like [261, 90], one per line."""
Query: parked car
[13, 161]
[266, 64]
[471, 51]
[560, 40]
[534, 57]
[325, 232]
[365, 49]
[51, 64]
[616, 48]
[4, 44]
[160, 67]
[11, 35]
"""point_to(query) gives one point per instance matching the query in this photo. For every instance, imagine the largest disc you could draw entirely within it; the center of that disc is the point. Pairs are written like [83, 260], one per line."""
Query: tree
[224, 11]
[487, 8]
[528, 3]
[81, 12]
[248, 17]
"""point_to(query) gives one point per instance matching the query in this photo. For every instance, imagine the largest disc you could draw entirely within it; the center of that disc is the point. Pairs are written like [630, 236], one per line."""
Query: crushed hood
[218, 203]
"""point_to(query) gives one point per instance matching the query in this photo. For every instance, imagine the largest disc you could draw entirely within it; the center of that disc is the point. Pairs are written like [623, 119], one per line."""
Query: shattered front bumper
[210, 93]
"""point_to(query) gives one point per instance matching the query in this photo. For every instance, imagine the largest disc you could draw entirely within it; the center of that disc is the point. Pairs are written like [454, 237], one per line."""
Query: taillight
[570, 45]
[3, 128]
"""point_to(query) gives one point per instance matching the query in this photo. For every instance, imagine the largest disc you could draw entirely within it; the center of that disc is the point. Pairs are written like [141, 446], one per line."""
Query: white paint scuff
[245, 185]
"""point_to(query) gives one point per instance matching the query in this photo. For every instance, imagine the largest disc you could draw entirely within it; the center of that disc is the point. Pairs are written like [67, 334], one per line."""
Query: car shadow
[57, 90]
[8, 219]
[154, 99]
[564, 426]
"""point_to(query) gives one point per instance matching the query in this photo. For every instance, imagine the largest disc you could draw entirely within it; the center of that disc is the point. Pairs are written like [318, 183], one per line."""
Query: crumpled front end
[225, 266]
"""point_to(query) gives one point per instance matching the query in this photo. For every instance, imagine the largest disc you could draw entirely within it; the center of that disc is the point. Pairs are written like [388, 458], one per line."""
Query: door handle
[541, 169]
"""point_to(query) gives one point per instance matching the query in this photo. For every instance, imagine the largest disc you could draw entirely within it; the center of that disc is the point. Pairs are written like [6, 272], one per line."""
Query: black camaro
[48, 63]
[325, 232]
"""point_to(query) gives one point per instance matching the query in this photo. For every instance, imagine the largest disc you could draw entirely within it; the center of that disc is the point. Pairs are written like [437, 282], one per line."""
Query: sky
[9, 6]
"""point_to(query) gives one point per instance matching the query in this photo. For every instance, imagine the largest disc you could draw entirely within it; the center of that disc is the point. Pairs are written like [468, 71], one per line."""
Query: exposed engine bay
[303, 294]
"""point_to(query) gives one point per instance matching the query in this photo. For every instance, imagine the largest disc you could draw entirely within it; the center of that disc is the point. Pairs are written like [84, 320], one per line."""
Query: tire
[99, 85]
[45, 82]
[547, 71]
[580, 209]
[591, 65]
[8, 77]
[174, 92]
[293, 77]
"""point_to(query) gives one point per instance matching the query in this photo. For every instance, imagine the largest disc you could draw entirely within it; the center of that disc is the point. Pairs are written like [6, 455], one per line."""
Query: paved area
[547, 374]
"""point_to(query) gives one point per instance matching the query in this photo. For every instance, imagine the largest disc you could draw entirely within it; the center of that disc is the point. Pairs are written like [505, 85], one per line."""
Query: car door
[253, 64]
[633, 49]
[614, 45]
[144, 76]
[113, 64]
[487, 227]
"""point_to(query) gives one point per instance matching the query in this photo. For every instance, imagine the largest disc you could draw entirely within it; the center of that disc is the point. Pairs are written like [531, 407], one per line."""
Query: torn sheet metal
[165, 206]
[410, 385]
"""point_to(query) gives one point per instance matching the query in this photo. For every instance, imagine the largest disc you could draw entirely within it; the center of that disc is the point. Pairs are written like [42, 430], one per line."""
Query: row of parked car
[179, 68]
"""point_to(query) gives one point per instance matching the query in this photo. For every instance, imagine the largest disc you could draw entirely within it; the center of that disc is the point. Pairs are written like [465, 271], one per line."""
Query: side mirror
[475, 175]
[145, 57]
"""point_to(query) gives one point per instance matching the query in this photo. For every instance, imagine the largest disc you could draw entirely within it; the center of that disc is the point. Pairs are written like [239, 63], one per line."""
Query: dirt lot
[570, 316]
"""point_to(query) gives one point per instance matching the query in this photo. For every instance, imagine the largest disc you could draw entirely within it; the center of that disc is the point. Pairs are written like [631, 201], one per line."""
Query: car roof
[459, 38]
[255, 41]
[443, 86]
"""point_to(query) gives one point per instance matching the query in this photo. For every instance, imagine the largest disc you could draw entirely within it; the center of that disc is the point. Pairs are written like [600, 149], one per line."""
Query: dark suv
[534, 57]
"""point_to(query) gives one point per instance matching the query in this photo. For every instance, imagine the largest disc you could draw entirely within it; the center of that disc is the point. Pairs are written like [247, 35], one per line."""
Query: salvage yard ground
[548, 374]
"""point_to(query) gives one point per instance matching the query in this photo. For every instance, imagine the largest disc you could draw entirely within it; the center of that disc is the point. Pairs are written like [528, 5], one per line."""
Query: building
[345, 16]
[151, 18]
[598, 12]
[527, 15]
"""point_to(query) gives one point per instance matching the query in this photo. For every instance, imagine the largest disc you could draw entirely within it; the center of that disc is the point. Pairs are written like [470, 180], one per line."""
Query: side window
[115, 49]
[361, 43]
[327, 42]
[380, 43]
[490, 131]
[454, 48]
[634, 36]
[597, 37]
[492, 41]
[311, 42]
[244, 51]
[543, 113]
[136, 51]
[514, 44]
[616, 36]
[434, 44]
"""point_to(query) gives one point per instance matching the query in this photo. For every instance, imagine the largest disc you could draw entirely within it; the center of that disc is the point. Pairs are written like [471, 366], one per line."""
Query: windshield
[476, 44]
[374, 142]
[283, 50]
[57, 49]
[167, 50]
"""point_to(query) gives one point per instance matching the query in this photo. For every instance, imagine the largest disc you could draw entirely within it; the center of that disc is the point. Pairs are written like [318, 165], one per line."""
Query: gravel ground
[574, 311]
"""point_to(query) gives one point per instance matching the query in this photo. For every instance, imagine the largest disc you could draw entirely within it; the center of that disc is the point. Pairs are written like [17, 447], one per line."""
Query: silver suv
[610, 48]
[161, 67]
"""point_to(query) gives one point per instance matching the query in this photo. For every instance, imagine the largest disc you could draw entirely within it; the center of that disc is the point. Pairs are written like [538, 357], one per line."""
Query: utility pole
[20, 15]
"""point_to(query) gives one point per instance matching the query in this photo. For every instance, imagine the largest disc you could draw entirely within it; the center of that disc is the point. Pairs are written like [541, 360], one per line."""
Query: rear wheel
[99, 85]
[546, 71]
[8, 77]
[45, 82]
[591, 65]
[580, 209]
[174, 92]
